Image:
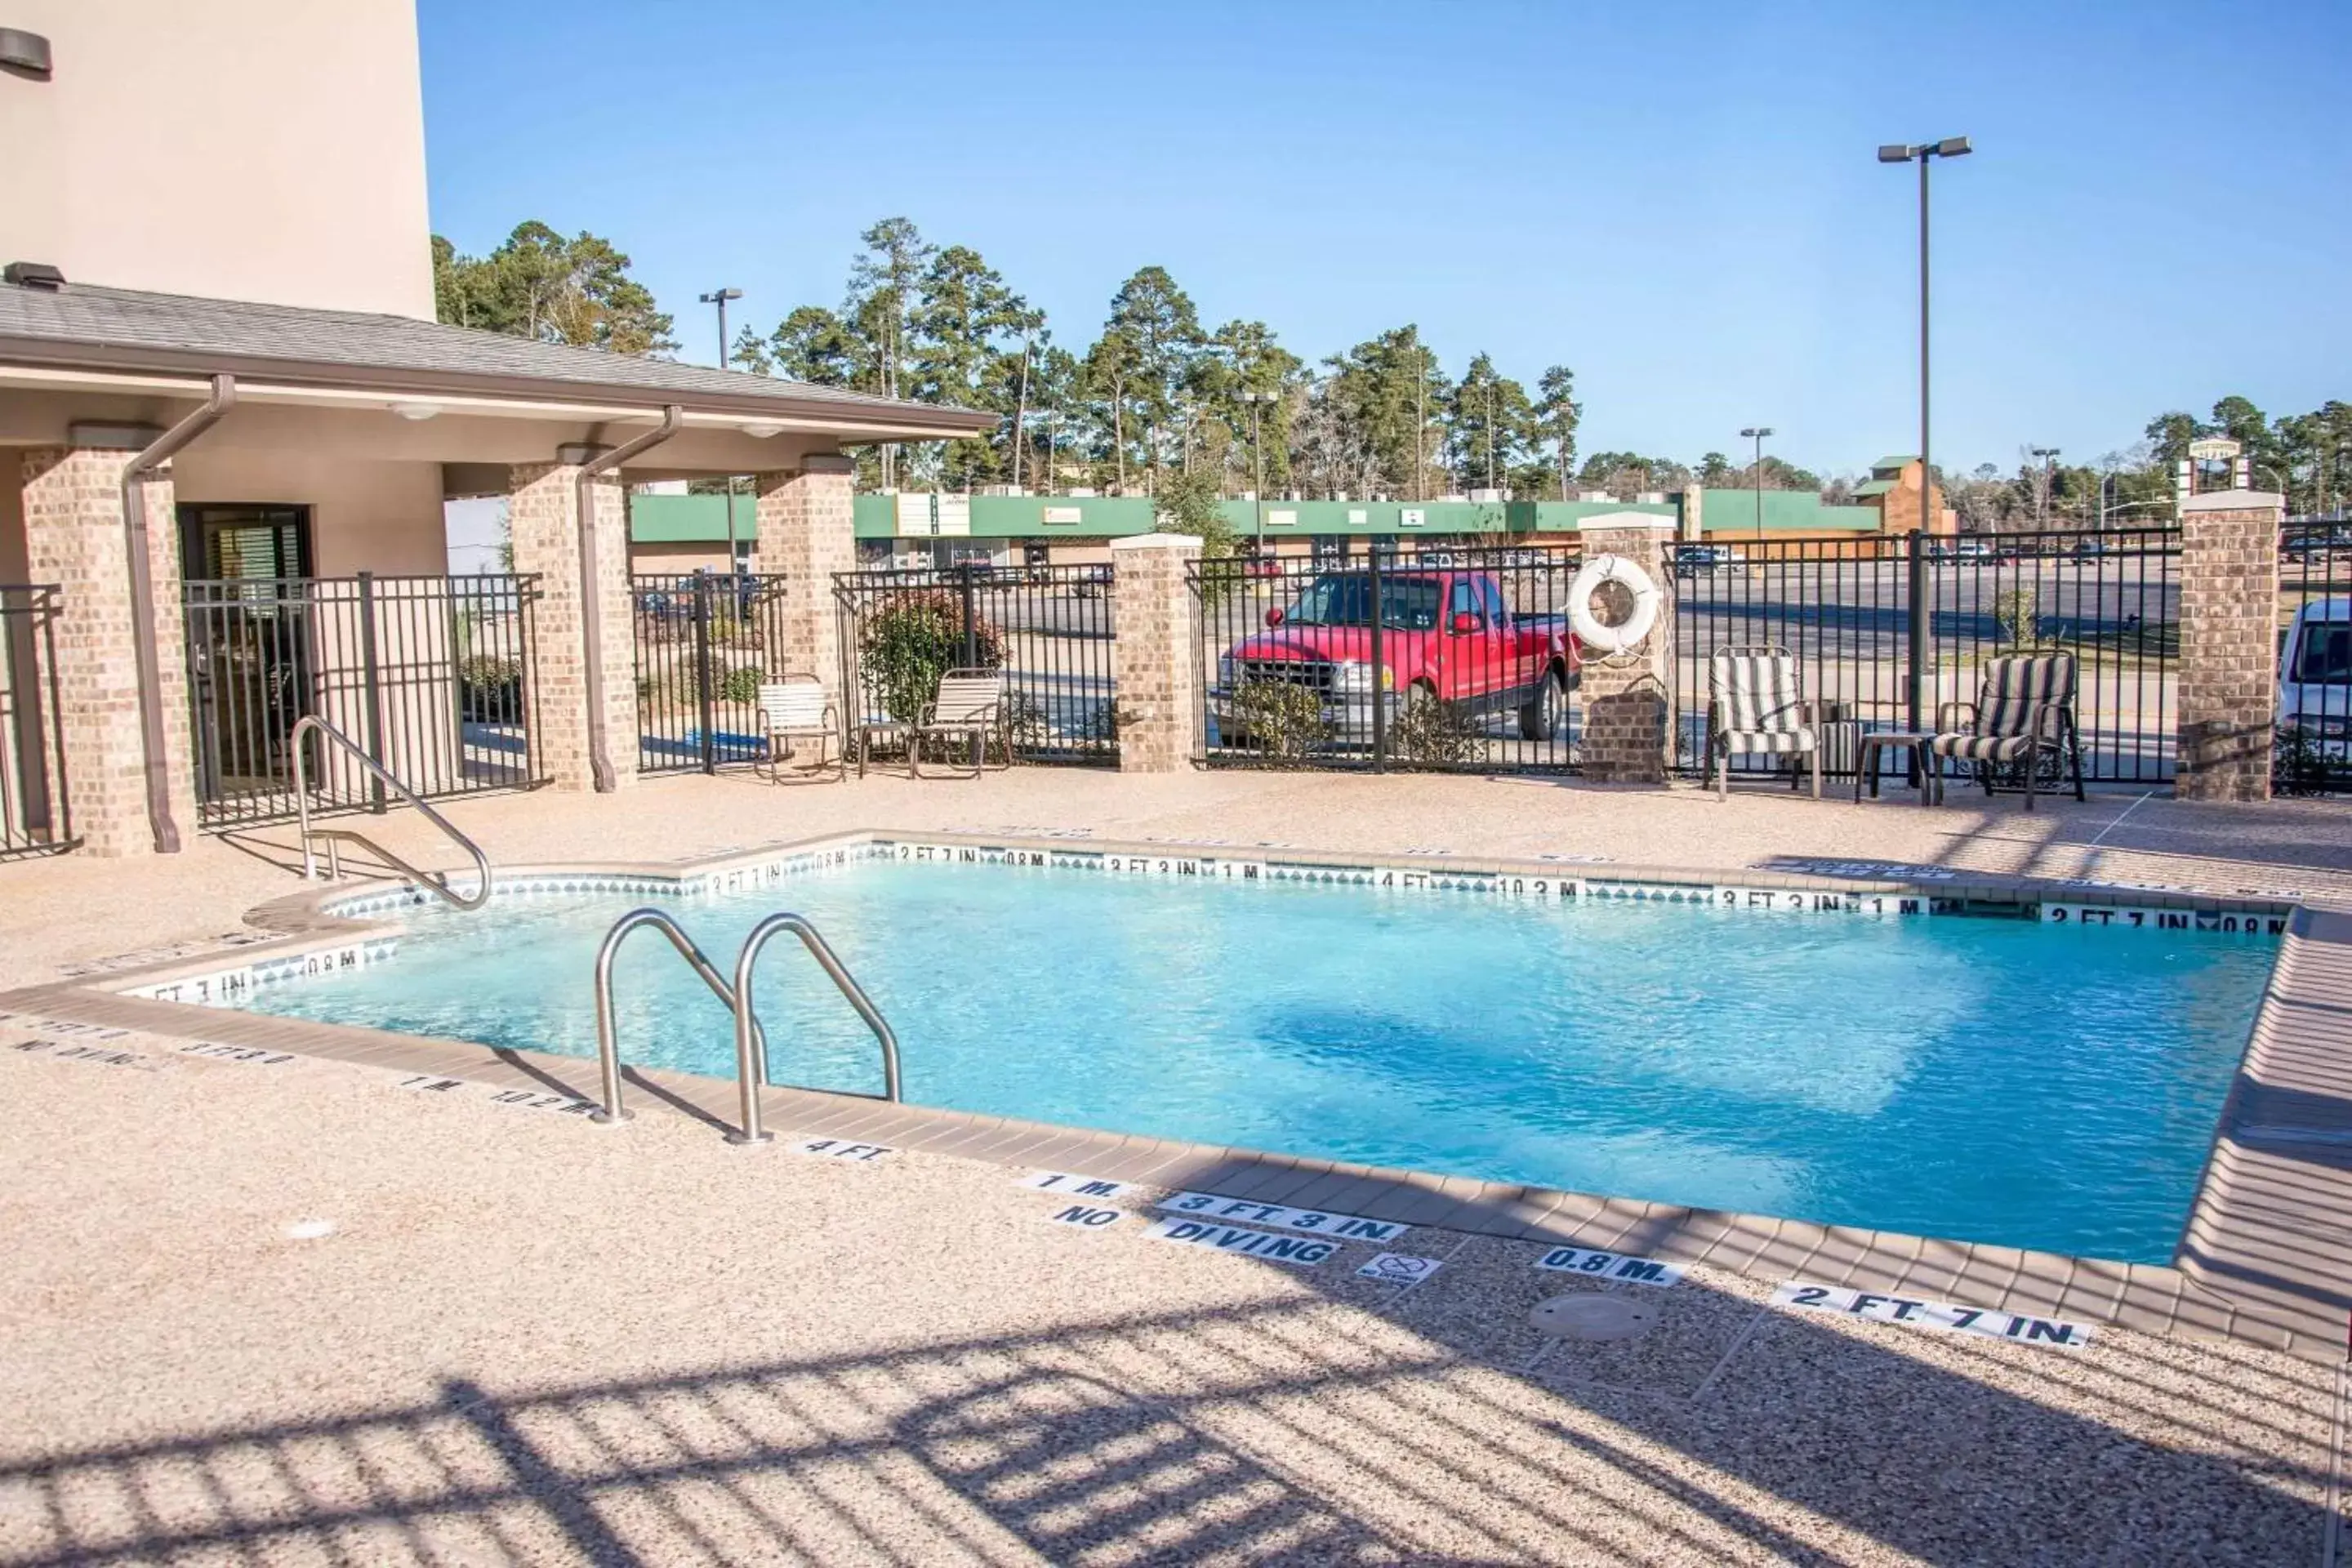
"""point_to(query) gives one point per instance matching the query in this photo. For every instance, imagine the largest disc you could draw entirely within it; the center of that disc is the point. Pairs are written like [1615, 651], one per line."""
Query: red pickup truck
[1446, 637]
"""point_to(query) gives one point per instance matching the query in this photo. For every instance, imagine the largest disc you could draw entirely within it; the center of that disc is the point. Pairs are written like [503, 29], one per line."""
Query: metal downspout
[144, 654]
[592, 627]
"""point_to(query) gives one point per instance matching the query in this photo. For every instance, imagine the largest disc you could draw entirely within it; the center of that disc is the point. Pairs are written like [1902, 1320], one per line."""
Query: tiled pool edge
[2240, 1276]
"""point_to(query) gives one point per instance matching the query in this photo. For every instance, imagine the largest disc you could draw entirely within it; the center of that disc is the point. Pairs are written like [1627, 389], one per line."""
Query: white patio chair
[794, 710]
[970, 706]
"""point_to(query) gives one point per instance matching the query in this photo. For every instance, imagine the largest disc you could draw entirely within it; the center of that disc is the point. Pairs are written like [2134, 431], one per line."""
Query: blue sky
[1680, 201]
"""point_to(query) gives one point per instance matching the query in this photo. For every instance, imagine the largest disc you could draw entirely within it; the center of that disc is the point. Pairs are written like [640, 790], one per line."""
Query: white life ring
[1590, 631]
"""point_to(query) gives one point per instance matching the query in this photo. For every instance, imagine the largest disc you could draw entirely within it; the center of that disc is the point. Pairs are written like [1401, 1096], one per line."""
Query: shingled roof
[88, 326]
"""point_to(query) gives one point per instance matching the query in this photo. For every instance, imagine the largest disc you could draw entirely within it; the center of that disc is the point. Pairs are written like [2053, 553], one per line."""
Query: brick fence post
[1155, 653]
[2228, 701]
[1628, 702]
[74, 537]
[543, 526]
[807, 532]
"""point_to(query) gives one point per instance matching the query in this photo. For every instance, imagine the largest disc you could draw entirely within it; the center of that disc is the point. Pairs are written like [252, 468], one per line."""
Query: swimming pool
[1985, 1080]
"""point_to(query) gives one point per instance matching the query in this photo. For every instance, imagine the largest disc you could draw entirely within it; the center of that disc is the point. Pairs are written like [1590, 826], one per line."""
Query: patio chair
[794, 710]
[970, 705]
[2024, 717]
[1755, 703]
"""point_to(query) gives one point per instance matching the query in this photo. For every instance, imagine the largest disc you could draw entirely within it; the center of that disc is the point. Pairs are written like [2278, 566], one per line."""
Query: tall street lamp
[1757, 433]
[719, 297]
[2042, 510]
[1921, 153]
[1257, 458]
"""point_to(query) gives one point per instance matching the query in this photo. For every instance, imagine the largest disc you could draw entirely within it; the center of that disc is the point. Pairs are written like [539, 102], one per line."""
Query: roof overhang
[38, 362]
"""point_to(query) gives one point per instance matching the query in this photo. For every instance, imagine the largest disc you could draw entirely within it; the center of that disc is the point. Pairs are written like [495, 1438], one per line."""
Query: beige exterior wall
[364, 515]
[267, 150]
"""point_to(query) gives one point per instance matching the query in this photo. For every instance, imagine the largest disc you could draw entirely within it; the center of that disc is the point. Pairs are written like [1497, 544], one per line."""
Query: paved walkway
[292, 1311]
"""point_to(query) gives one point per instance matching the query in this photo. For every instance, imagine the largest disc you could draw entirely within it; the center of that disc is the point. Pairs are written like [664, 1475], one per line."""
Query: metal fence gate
[431, 675]
[2315, 720]
[1865, 618]
[705, 644]
[36, 817]
[1048, 628]
[1455, 659]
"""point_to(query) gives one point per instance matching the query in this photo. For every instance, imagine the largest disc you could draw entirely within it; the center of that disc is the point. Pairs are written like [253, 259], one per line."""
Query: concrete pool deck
[528, 1337]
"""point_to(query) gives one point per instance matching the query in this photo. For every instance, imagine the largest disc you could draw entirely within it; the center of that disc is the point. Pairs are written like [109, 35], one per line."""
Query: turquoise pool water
[1986, 1079]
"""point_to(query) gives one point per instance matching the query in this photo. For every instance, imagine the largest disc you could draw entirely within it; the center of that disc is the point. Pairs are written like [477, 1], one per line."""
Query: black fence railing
[2313, 754]
[1456, 658]
[1841, 607]
[1862, 617]
[35, 815]
[705, 644]
[1048, 628]
[432, 676]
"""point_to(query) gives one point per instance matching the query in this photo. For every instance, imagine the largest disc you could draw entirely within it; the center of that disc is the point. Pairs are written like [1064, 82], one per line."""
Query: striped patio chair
[2024, 718]
[1755, 703]
[794, 710]
[970, 706]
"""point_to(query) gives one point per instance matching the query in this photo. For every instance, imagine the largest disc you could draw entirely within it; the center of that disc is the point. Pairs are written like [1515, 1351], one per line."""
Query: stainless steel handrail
[751, 1045]
[432, 881]
[608, 1047]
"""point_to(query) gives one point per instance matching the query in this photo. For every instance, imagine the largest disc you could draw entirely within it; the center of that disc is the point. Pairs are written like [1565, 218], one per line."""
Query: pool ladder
[751, 1040]
[432, 882]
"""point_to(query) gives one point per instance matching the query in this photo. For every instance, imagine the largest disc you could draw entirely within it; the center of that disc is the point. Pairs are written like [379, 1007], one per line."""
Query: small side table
[1931, 790]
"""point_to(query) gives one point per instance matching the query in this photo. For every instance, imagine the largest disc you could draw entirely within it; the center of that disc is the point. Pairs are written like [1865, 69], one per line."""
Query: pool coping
[2268, 1239]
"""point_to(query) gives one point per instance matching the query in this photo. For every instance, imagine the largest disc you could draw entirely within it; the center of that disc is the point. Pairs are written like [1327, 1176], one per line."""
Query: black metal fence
[705, 644]
[35, 815]
[431, 675]
[1455, 659]
[1865, 618]
[1048, 628]
[2314, 756]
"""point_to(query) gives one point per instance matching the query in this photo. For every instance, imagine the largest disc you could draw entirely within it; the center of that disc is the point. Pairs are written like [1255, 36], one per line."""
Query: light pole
[719, 297]
[1490, 433]
[1258, 459]
[1757, 433]
[2041, 505]
[1921, 154]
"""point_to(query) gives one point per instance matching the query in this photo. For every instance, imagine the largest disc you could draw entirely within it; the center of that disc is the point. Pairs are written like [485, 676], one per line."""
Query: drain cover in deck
[1595, 1317]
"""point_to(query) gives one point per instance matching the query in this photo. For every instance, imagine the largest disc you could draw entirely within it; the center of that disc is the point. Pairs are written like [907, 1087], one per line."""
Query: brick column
[2228, 701]
[807, 532]
[1155, 653]
[542, 507]
[73, 537]
[1628, 703]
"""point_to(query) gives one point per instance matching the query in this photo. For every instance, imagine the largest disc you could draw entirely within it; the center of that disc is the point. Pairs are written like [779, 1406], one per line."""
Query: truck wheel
[1539, 719]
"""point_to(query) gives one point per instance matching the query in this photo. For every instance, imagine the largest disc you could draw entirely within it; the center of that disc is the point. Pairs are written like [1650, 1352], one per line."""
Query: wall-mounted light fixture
[24, 54]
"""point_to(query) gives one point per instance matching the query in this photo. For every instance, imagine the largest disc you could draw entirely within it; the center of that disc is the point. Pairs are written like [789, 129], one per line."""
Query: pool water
[1989, 1081]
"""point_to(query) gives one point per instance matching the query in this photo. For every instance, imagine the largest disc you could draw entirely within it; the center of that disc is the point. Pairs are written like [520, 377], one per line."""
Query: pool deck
[528, 1337]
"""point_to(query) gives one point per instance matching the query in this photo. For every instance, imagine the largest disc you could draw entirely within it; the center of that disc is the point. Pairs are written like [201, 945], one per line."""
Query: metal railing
[2312, 753]
[750, 1039]
[1047, 628]
[704, 643]
[35, 808]
[332, 837]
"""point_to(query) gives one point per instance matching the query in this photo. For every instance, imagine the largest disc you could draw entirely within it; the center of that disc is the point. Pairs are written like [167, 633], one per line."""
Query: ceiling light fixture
[761, 429]
[417, 411]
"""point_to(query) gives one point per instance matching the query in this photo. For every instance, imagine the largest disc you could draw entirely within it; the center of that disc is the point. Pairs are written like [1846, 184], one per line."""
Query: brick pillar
[1155, 653]
[542, 508]
[1628, 703]
[807, 532]
[2228, 699]
[73, 537]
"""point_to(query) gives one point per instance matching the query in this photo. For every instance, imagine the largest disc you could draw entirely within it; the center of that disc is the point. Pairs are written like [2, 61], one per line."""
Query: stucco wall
[264, 150]
[373, 516]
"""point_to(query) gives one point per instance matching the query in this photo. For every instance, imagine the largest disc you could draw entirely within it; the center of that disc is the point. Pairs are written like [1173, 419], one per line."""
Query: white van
[2316, 677]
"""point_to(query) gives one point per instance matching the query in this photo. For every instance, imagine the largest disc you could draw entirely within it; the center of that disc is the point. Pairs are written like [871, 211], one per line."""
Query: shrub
[2016, 611]
[913, 639]
[489, 688]
[2298, 764]
[1428, 731]
[741, 686]
[1279, 718]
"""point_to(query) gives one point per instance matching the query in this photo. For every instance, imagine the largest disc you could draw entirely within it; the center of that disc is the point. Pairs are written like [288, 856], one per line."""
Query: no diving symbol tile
[1397, 1268]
